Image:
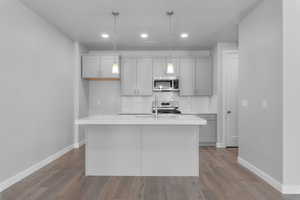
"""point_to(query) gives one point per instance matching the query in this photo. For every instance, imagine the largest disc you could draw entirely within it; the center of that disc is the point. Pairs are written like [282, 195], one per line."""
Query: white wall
[81, 100]
[36, 84]
[291, 95]
[104, 97]
[260, 86]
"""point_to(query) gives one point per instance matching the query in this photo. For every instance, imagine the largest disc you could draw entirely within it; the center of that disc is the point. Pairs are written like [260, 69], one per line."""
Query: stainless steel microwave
[165, 84]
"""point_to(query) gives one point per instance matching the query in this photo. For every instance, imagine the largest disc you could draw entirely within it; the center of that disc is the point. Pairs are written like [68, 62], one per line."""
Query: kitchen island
[142, 145]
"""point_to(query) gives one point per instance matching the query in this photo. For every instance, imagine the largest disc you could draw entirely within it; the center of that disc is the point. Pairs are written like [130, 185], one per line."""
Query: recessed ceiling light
[144, 35]
[104, 35]
[184, 35]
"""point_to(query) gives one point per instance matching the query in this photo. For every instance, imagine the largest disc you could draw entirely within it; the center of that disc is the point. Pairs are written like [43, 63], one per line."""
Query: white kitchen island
[140, 145]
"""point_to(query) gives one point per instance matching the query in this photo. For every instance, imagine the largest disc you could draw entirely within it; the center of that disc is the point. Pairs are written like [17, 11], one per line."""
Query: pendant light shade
[115, 65]
[170, 65]
[170, 68]
[115, 68]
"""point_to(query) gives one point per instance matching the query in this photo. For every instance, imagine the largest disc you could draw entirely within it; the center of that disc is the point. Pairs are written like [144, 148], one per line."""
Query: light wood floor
[221, 178]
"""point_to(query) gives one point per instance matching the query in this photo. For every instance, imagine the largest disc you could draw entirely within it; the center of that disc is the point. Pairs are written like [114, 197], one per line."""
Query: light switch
[244, 103]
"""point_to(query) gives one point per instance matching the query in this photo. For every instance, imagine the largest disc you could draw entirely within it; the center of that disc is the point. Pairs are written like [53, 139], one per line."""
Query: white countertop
[141, 120]
[183, 113]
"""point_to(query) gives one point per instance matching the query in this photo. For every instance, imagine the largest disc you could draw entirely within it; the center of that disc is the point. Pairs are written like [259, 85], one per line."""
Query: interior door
[144, 76]
[230, 66]
[128, 77]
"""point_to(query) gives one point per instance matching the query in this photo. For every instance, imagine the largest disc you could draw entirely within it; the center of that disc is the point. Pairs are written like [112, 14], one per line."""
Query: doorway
[230, 104]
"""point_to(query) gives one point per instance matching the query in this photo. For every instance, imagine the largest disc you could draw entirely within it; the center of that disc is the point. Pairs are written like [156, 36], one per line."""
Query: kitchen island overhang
[121, 145]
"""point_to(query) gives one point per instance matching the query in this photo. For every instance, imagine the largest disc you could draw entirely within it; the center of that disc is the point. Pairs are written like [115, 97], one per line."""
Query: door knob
[229, 112]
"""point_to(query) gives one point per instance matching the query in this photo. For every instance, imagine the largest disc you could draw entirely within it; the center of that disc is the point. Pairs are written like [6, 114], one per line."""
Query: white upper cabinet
[144, 76]
[160, 67]
[97, 66]
[136, 76]
[196, 76]
[90, 66]
[106, 66]
[128, 76]
[203, 77]
[187, 76]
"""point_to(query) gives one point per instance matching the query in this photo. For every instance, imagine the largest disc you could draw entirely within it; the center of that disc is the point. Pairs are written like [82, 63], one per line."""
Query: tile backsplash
[186, 104]
[104, 98]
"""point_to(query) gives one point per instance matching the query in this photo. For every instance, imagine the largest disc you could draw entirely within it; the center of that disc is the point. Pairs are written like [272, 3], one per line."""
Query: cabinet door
[90, 66]
[159, 67]
[203, 77]
[208, 133]
[187, 74]
[144, 76]
[106, 66]
[128, 76]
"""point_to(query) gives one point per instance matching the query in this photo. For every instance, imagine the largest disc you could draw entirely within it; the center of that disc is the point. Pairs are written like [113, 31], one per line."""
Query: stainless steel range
[166, 107]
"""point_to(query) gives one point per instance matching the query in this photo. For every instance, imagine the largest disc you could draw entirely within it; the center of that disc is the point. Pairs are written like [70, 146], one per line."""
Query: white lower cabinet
[146, 150]
[136, 76]
[208, 133]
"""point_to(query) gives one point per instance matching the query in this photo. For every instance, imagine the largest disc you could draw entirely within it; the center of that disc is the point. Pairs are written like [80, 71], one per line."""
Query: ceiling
[206, 21]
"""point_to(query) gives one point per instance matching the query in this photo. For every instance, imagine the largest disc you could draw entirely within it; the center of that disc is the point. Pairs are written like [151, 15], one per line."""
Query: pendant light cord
[170, 15]
[115, 15]
[170, 32]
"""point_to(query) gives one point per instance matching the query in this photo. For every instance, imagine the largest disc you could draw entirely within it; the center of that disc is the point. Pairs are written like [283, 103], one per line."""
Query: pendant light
[170, 65]
[115, 66]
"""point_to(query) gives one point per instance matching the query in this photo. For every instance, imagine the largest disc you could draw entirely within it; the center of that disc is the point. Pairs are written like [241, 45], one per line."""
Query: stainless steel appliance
[166, 84]
[165, 107]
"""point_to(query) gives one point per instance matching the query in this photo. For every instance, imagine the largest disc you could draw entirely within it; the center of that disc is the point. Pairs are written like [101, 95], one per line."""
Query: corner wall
[291, 96]
[81, 97]
[36, 84]
[261, 91]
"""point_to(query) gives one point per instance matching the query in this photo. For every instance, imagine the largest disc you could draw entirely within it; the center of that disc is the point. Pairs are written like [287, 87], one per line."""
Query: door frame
[224, 96]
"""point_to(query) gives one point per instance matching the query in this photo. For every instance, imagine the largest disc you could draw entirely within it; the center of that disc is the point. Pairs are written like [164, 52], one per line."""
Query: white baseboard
[21, 175]
[263, 175]
[220, 145]
[290, 189]
[79, 144]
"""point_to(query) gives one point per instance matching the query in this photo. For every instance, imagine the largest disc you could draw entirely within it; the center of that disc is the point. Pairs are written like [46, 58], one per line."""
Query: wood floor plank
[221, 178]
